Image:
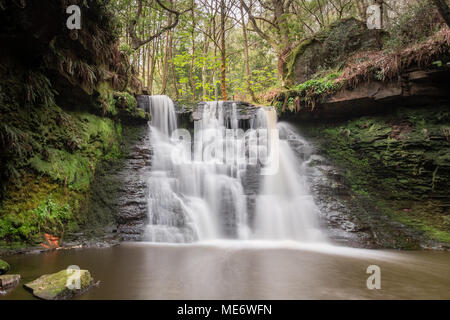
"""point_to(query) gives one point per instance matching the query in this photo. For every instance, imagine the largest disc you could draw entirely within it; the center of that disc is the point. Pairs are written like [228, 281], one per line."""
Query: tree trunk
[165, 65]
[174, 77]
[155, 46]
[191, 66]
[144, 63]
[223, 84]
[247, 66]
[204, 66]
[444, 10]
[361, 9]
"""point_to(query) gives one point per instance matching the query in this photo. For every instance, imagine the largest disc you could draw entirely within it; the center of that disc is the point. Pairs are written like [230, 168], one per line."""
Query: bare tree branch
[136, 42]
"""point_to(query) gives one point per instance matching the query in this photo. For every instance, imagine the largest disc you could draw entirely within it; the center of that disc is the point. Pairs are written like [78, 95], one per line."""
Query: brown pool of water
[243, 270]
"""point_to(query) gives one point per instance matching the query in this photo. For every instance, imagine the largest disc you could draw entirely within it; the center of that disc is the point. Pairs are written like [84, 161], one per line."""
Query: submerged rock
[4, 267]
[9, 281]
[61, 285]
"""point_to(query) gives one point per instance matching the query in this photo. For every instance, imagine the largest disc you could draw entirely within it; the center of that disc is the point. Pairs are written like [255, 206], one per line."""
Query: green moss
[39, 206]
[60, 285]
[49, 154]
[4, 267]
[63, 163]
[127, 100]
[414, 25]
[297, 52]
[308, 93]
[389, 159]
[428, 217]
[66, 168]
[106, 98]
[96, 138]
[128, 108]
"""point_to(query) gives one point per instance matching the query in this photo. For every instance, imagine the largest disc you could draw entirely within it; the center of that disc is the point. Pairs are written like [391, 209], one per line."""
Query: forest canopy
[237, 49]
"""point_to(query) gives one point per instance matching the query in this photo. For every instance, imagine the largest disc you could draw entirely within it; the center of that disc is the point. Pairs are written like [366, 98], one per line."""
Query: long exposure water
[243, 270]
[200, 195]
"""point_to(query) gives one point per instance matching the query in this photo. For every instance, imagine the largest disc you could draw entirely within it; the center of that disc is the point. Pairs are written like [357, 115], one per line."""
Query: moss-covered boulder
[128, 109]
[4, 267]
[61, 285]
[9, 281]
[328, 48]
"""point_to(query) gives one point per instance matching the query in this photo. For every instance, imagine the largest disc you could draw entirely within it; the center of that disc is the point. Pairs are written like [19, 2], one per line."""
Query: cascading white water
[177, 210]
[218, 154]
[284, 208]
[201, 196]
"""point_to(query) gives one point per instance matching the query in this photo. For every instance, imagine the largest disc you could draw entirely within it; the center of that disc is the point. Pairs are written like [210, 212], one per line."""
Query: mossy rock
[327, 49]
[129, 110]
[58, 286]
[4, 267]
[9, 281]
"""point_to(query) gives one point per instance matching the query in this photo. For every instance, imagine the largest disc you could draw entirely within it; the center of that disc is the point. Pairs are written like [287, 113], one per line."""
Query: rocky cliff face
[64, 96]
[414, 87]
[118, 197]
[396, 168]
[329, 49]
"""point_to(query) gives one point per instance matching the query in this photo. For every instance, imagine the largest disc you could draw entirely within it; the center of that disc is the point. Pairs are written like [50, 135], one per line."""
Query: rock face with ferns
[66, 96]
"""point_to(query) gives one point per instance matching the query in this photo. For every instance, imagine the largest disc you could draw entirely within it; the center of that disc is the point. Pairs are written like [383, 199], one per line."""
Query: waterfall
[220, 155]
[163, 114]
[284, 208]
[201, 193]
[177, 209]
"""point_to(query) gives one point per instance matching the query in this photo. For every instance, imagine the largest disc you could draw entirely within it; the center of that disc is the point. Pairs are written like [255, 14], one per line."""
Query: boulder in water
[62, 285]
[9, 281]
[4, 267]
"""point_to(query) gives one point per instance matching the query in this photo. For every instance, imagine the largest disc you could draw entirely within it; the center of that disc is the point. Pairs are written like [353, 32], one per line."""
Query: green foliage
[125, 48]
[38, 89]
[51, 217]
[70, 169]
[419, 22]
[128, 108]
[318, 86]
[65, 147]
[106, 99]
[126, 99]
[38, 206]
[48, 155]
